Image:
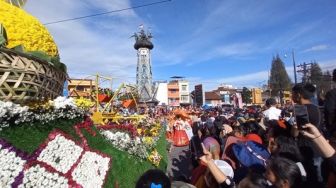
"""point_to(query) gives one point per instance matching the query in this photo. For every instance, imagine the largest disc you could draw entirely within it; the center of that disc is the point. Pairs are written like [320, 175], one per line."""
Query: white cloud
[320, 47]
[94, 45]
[112, 5]
[236, 49]
[256, 79]
[328, 65]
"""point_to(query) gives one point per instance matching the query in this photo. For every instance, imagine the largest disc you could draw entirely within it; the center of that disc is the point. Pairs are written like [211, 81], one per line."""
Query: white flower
[37, 176]
[60, 153]
[10, 167]
[91, 170]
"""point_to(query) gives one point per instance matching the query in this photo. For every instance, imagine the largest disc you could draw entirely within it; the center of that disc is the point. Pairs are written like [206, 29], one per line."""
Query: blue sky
[207, 41]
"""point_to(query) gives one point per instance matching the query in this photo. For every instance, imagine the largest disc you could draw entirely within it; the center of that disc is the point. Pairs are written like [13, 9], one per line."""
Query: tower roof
[143, 40]
[143, 43]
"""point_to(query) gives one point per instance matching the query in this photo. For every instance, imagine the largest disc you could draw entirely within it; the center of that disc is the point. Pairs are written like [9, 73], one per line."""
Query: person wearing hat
[180, 137]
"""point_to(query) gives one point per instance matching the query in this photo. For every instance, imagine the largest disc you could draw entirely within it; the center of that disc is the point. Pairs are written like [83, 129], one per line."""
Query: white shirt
[272, 113]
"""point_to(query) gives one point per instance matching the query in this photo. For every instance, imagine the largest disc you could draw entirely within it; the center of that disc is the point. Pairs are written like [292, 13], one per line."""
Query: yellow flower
[148, 140]
[139, 130]
[84, 103]
[154, 157]
[24, 29]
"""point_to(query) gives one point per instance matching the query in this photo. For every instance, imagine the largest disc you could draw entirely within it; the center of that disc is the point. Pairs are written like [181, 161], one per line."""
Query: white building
[162, 93]
[184, 93]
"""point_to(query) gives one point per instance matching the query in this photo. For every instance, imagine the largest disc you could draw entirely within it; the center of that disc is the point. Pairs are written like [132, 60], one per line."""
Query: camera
[197, 145]
[301, 115]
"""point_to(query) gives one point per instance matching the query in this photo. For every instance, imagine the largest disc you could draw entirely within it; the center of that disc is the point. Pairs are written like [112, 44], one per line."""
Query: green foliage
[28, 137]
[56, 61]
[319, 79]
[40, 55]
[3, 36]
[316, 74]
[279, 79]
[246, 95]
[18, 3]
[19, 48]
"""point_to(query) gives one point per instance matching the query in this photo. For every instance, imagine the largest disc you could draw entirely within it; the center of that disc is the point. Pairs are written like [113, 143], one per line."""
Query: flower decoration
[63, 102]
[91, 170]
[148, 140]
[77, 162]
[154, 157]
[84, 103]
[124, 142]
[58, 162]
[128, 128]
[24, 29]
[60, 153]
[60, 108]
[12, 162]
[135, 139]
[39, 176]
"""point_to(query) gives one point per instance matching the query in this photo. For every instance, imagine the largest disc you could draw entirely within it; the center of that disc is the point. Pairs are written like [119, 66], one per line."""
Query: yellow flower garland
[24, 29]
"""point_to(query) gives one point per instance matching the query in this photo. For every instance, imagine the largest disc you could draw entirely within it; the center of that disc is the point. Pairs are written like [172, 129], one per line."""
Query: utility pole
[294, 65]
[305, 69]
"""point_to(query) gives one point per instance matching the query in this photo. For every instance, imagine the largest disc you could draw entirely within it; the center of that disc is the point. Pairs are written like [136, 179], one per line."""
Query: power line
[108, 12]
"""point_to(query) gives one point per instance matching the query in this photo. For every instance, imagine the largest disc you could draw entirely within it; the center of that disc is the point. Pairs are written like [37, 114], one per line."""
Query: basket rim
[39, 60]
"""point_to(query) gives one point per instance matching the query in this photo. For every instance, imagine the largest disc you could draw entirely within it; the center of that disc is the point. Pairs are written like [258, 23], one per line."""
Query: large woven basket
[26, 78]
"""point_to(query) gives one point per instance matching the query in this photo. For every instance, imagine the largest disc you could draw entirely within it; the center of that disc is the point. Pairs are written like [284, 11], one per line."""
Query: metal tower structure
[143, 45]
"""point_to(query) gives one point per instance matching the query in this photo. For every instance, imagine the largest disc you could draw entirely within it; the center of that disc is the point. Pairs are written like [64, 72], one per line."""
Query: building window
[184, 98]
[184, 87]
[173, 90]
[80, 88]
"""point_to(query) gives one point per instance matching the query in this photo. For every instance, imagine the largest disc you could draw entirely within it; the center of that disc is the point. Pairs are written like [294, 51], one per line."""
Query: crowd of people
[267, 146]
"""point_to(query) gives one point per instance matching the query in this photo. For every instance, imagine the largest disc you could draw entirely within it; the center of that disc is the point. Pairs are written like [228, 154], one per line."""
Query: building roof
[226, 89]
[212, 96]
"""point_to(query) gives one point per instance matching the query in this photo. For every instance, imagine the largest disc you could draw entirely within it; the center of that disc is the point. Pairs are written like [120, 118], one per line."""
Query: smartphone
[197, 144]
[301, 115]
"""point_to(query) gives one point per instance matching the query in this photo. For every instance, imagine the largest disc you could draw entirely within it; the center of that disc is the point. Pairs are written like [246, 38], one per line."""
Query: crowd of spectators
[260, 146]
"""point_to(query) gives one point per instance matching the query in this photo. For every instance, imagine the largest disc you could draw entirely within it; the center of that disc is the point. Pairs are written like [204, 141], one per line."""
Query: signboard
[199, 96]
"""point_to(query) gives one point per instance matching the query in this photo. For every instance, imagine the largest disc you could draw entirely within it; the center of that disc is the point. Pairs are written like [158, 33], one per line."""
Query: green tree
[325, 85]
[246, 95]
[279, 79]
[316, 75]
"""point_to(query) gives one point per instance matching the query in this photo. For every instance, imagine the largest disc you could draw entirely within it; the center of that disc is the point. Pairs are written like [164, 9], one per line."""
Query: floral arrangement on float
[42, 112]
[58, 162]
[136, 139]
